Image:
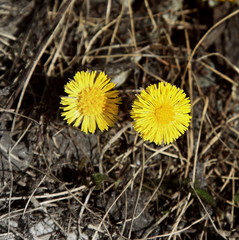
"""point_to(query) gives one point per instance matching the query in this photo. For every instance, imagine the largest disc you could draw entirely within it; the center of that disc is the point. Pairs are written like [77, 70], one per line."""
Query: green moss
[204, 195]
[98, 179]
[236, 197]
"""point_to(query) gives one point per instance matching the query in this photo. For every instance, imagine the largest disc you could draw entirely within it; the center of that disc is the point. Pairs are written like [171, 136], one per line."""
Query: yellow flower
[91, 102]
[161, 113]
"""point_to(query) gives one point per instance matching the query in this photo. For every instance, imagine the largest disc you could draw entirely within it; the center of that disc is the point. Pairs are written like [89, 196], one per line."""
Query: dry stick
[190, 142]
[207, 213]
[146, 3]
[175, 233]
[115, 201]
[155, 226]
[115, 46]
[114, 138]
[162, 219]
[121, 55]
[83, 187]
[149, 73]
[233, 199]
[9, 153]
[174, 55]
[108, 9]
[84, 207]
[18, 114]
[204, 230]
[103, 219]
[87, 8]
[95, 37]
[214, 130]
[132, 24]
[58, 50]
[218, 73]
[109, 234]
[138, 195]
[11, 174]
[153, 194]
[204, 37]
[158, 57]
[45, 42]
[51, 216]
[133, 158]
[7, 35]
[124, 155]
[211, 142]
[17, 58]
[198, 141]
[30, 198]
[150, 199]
[70, 192]
[5, 151]
[199, 43]
[162, 150]
[233, 129]
[27, 76]
[224, 58]
[42, 204]
[21, 137]
[183, 210]
[114, 33]
[228, 177]
[227, 181]
[125, 216]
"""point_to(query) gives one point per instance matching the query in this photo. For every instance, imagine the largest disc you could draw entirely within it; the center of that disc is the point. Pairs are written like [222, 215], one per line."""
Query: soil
[57, 182]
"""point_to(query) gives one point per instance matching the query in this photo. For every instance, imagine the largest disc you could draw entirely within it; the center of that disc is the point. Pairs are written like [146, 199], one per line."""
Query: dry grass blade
[222, 57]
[207, 213]
[113, 139]
[27, 76]
[150, 14]
[198, 141]
[176, 232]
[101, 31]
[138, 195]
[219, 73]
[212, 141]
[58, 182]
[205, 35]
[45, 42]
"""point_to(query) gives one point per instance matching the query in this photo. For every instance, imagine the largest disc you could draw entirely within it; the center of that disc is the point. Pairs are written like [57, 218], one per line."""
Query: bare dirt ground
[59, 183]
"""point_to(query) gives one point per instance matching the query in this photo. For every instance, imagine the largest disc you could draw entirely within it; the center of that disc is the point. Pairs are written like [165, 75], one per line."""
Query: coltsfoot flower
[91, 102]
[161, 113]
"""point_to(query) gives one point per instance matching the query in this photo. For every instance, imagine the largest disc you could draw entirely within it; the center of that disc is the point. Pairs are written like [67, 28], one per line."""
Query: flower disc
[161, 113]
[91, 102]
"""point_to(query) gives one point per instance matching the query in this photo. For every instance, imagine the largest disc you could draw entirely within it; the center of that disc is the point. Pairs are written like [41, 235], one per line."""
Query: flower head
[161, 113]
[91, 102]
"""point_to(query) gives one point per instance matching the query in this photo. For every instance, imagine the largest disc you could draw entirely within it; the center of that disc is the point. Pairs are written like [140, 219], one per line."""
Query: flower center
[164, 114]
[91, 101]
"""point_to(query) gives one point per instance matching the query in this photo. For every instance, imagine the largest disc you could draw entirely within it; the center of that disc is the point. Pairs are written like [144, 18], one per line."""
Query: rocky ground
[59, 183]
